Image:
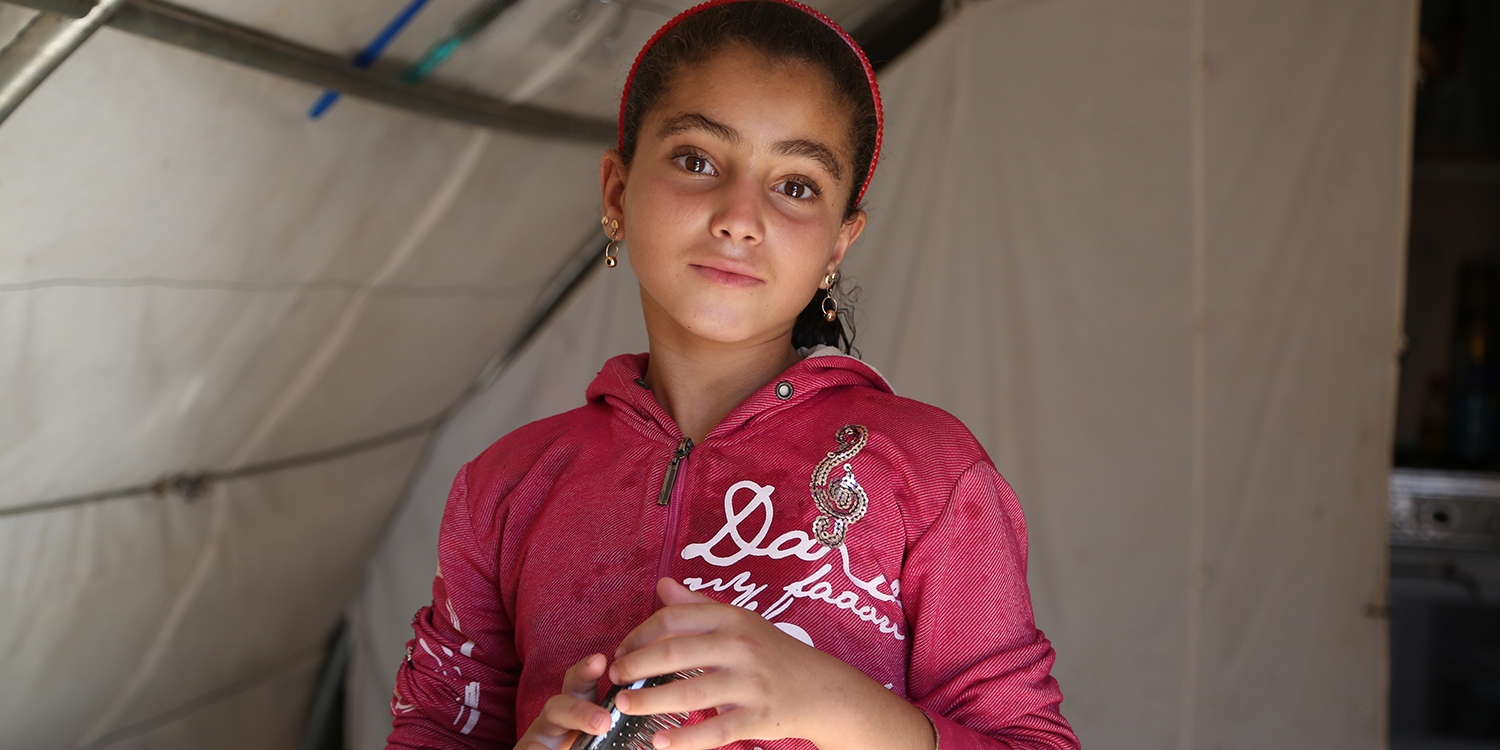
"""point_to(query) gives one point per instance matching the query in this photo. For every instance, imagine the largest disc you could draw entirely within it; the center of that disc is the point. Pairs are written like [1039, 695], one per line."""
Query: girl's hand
[764, 683]
[570, 712]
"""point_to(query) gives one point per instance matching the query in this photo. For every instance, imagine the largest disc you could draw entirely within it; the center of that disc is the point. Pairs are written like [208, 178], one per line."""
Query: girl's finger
[562, 714]
[676, 654]
[675, 620]
[715, 732]
[671, 592]
[582, 679]
[705, 691]
[535, 741]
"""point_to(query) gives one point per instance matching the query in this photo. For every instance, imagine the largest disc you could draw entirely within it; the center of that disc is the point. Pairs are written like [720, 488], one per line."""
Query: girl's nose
[739, 217]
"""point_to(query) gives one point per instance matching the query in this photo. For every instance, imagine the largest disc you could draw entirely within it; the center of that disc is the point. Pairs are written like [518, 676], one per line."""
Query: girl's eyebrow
[687, 121]
[815, 151]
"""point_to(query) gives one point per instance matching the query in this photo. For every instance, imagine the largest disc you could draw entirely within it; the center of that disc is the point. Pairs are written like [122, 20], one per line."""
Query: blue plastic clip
[369, 54]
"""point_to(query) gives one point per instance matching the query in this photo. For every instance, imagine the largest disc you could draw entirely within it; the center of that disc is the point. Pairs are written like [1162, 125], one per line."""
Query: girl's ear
[612, 176]
[849, 231]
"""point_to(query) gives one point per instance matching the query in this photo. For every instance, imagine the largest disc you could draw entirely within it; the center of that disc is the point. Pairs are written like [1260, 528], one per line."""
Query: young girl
[845, 565]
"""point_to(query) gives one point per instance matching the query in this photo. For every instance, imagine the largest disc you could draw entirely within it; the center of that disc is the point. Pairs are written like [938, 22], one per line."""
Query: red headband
[853, 45]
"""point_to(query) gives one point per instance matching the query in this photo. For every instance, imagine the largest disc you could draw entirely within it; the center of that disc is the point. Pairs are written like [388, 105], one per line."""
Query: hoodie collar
[620, 385]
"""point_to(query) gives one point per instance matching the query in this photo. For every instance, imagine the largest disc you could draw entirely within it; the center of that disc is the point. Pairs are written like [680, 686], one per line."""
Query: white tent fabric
[1149, 250]
[1171, 236]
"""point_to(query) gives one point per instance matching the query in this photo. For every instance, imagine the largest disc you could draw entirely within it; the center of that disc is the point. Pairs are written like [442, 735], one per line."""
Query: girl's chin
[721, 315]
[721, 334]
[725, 327]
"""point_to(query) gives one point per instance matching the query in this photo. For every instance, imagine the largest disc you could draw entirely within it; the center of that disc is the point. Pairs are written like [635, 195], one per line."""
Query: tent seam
[1198, 480]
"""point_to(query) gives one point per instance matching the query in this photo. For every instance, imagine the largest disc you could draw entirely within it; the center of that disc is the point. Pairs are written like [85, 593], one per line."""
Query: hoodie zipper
[684, 447]
[664, 498]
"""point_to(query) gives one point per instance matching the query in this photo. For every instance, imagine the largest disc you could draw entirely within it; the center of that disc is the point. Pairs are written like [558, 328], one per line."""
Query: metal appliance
[1445, 610]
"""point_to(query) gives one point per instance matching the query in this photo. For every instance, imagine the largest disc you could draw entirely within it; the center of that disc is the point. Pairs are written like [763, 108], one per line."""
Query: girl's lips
[727, 278]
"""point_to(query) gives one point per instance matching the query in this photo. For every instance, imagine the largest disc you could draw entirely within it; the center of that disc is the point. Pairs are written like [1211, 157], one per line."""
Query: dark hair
[781, 33]
[812, 329]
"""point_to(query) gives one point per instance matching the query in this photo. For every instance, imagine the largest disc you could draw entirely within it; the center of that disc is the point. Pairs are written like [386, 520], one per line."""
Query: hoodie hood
[620, 384]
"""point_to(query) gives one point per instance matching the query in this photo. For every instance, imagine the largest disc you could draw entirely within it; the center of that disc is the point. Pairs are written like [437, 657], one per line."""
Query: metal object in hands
[628, 732]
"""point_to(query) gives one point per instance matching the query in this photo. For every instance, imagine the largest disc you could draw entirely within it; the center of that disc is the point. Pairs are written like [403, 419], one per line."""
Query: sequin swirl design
[844, 502]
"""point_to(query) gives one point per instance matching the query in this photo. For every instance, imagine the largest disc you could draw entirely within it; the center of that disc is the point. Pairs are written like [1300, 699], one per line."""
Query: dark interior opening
[1445, 580]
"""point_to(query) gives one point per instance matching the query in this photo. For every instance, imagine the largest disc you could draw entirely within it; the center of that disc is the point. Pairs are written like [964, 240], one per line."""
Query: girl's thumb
[672, 592]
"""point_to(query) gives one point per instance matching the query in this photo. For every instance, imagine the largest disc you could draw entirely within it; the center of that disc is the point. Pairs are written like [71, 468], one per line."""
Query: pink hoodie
[870, 526]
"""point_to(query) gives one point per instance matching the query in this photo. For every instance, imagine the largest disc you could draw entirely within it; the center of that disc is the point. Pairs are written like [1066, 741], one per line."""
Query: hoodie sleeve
[980, 669]
[457, 685]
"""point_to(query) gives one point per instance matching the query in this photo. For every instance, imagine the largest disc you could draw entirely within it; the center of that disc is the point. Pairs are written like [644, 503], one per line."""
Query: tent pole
[325, 698]
[200, 32]
[41, 47]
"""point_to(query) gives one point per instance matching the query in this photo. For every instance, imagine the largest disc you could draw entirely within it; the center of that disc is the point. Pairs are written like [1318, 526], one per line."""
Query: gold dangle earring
[830, 305]
[612, 250]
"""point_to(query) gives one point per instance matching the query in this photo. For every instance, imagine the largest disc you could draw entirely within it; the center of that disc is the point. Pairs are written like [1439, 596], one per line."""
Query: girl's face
[733, 207]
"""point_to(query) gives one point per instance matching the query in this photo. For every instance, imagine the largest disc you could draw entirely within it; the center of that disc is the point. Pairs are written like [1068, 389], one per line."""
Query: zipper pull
[670, 480]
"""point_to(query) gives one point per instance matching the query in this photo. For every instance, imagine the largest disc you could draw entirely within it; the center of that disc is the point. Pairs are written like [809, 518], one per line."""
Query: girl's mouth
[727, 278]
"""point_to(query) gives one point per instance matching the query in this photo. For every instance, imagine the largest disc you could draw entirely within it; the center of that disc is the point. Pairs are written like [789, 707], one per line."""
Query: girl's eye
[695, 164]
[798, 190]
